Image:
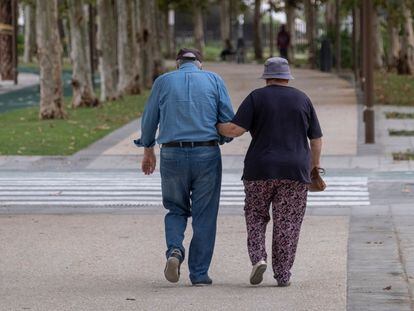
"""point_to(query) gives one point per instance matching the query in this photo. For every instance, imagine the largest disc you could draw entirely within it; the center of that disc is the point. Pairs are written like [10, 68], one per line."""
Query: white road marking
[95, 189]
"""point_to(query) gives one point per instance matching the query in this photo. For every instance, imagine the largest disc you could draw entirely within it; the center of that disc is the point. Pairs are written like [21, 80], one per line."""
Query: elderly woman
[281, 121]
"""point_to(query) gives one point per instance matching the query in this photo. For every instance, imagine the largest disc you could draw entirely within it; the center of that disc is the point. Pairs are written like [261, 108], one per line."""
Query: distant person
[283, 42]
[282, 123]
[227, 51]
[240, 50]
[185, 105]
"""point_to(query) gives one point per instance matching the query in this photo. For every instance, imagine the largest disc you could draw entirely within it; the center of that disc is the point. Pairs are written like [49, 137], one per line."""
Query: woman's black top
[280, 119]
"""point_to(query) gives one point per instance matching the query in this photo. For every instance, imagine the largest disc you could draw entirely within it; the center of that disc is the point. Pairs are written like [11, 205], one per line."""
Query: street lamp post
[338, 35]
[368, 72]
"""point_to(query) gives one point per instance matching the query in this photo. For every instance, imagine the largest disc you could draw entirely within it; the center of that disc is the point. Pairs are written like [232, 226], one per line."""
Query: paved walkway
[24, 94]
[115, 262]
[24, 80]
[27, 92]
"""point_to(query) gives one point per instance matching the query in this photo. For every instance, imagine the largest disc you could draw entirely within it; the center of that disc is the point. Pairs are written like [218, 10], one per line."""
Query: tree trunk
[356, 31]
[64, 33]
[29, 33]
[330, 16]
[92, 29]
[257, 29]
[338, 56]
[378, 42]
[146, 40]
[136, 40]
[156, 44]
[49, 52]
[271, 34]
[311, 31]
[198, 26]
[290, 25]
[394, 45]
[107, 44]
[83, 94]
[6, 42]
[225, 21]
[128, 76]
[170, 43]
[406, 61]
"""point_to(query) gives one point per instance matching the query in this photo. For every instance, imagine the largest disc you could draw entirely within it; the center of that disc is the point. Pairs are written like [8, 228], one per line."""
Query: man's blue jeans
[191, 183]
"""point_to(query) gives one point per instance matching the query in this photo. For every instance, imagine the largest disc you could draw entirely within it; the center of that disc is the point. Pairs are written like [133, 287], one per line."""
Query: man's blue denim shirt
[186, 104]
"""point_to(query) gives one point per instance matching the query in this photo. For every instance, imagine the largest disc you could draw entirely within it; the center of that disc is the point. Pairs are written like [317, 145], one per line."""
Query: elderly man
[286, 146]
[187, 104]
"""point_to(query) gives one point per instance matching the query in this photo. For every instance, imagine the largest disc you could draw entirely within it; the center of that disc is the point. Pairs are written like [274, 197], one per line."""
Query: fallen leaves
[102, 127]
[406, 188]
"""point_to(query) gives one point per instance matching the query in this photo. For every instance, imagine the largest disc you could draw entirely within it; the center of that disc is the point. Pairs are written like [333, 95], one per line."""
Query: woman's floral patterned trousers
[288, 199]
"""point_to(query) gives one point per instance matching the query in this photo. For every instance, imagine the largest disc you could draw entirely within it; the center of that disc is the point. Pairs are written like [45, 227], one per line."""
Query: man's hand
[149, 161]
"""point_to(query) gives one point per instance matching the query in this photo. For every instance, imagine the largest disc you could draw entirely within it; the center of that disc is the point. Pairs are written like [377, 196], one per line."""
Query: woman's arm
[230, 129]
[316, 148]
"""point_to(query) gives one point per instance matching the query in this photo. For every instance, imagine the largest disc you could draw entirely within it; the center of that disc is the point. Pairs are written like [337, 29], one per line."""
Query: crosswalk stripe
[128, 189]
[140, 198]
[121, 190]
[143, 193]
[51, 192]
[152, 203]
[131, 176]
[107, 184]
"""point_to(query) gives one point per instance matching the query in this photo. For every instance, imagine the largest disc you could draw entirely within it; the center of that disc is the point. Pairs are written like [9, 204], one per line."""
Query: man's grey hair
[184, 61]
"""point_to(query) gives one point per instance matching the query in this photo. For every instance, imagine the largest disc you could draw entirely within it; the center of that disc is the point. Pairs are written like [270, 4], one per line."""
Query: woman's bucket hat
[277, 68]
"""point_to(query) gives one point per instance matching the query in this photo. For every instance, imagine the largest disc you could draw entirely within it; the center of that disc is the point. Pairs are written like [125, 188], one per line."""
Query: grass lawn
[212, 53]
[393, 89]
[403, 156]
[400, 132]
[399, 115]
[22, 133]
[34, 66]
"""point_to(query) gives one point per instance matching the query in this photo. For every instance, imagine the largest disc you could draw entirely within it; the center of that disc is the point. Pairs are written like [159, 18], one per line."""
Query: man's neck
[277, 83]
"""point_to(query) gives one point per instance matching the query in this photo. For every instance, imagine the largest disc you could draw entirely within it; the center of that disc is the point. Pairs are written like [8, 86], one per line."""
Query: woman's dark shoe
[283, 284]
[256, 277]
[172, 267]
[205, 282]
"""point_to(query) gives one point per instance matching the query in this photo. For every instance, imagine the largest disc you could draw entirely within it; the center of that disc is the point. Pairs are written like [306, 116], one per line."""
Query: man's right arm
[149, 126]
[150, 119]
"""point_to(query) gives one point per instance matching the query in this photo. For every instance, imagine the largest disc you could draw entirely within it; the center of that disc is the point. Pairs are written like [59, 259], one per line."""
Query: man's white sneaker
[256, 277]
